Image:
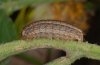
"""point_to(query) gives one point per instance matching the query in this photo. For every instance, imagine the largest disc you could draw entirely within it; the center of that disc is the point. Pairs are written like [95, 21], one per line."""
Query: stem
[74, 50]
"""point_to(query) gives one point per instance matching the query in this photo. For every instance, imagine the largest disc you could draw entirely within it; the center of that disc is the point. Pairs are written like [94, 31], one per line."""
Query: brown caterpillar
[52, 29]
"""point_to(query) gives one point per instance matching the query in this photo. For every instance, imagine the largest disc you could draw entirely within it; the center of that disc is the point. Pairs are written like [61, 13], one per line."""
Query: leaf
[7, 28]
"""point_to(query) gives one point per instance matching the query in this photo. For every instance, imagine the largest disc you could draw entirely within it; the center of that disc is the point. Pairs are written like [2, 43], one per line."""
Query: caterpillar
[52, 29]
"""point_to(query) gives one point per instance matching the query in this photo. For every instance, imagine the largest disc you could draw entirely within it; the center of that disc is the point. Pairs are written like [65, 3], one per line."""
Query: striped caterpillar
[52, 29]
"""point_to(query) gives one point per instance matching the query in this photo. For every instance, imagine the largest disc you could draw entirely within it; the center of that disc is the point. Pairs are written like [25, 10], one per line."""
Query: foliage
[7, 28]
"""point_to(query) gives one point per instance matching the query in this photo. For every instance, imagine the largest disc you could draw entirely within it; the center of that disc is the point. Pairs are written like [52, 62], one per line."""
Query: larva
[52, 29]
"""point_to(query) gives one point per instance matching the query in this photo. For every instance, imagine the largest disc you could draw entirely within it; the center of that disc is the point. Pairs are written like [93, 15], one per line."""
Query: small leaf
[7, 28]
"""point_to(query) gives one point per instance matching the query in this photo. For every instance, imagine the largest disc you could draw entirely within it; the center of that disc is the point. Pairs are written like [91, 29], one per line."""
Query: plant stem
[74, 50]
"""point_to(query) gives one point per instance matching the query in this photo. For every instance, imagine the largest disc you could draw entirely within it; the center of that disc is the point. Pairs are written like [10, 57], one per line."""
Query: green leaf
[7, 28]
